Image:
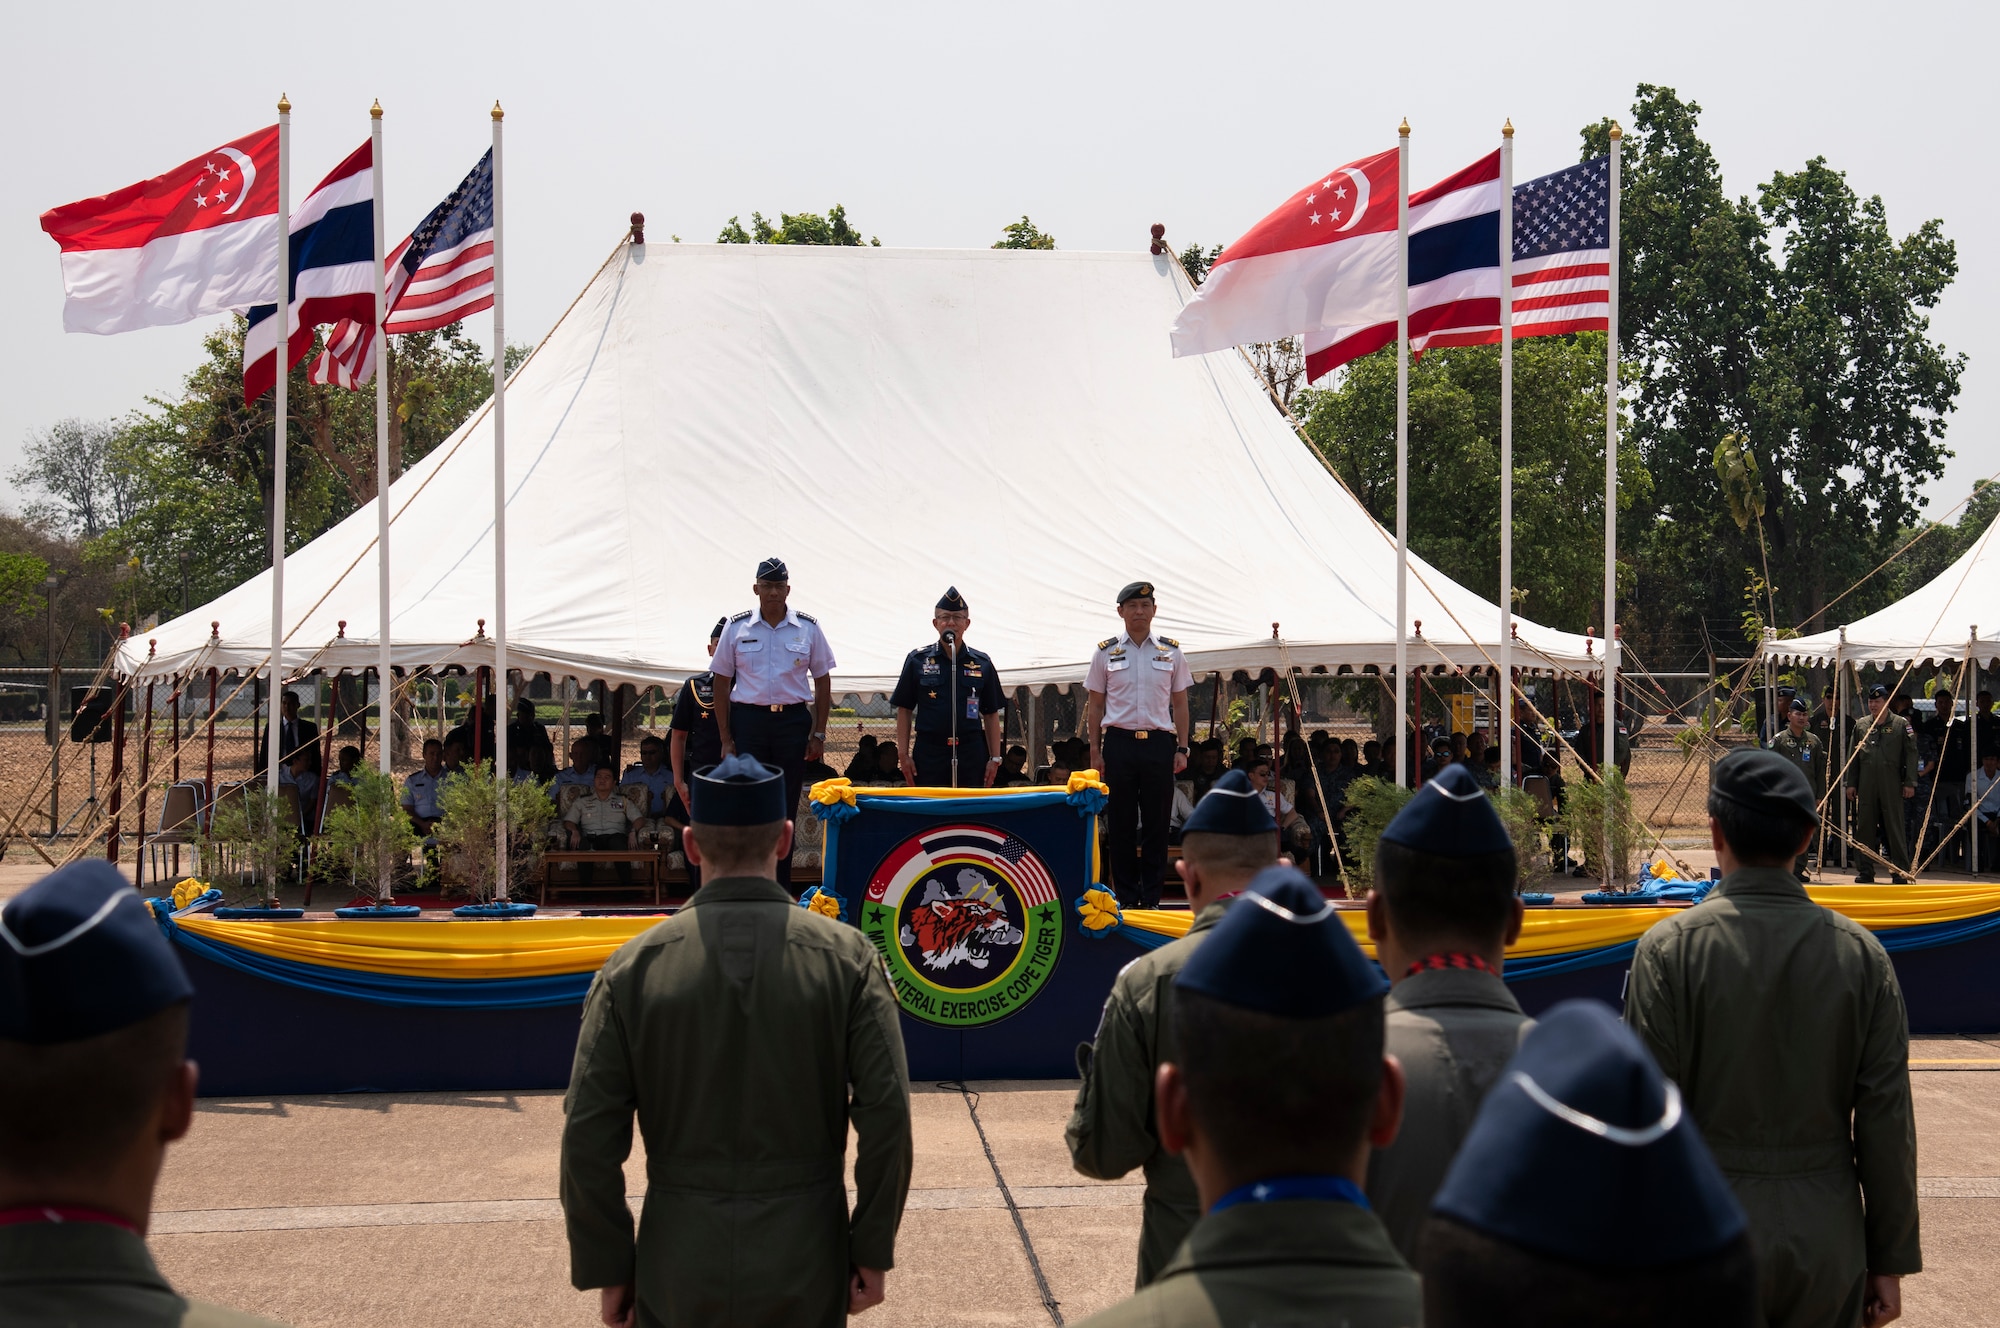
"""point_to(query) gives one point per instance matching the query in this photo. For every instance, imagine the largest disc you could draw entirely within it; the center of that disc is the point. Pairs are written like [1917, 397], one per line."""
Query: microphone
[950, 640]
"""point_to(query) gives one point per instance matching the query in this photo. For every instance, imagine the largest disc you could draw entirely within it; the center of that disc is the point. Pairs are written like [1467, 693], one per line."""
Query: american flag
[1029, 874]
[443, 272]
[1562, 251]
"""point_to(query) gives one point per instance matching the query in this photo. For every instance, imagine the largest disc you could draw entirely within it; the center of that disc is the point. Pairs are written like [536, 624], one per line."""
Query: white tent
[1956, 613]
[890, 422]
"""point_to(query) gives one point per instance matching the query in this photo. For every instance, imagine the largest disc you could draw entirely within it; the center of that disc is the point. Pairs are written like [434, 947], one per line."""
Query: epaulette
[1168, 641]
[805, 617]
[1107, 643]
[740, 616]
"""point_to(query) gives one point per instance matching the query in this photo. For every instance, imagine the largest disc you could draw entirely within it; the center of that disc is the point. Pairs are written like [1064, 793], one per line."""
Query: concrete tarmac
[440, 1208]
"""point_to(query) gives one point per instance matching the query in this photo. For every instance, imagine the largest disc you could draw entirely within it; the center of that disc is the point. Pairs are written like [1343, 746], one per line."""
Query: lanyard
[1448, 959]
[60, 1213]
[1329, 1189]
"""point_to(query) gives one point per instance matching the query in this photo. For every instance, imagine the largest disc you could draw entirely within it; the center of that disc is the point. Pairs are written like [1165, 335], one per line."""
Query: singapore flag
[201, 239]
[1324, 260]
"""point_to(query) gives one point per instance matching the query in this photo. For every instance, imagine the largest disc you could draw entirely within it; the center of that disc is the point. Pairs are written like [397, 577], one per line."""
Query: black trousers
[586, 872]
[931, 752]
[1140, 771]
[778, 739]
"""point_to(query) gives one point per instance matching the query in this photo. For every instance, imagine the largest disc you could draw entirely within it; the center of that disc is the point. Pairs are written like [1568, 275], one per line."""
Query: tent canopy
[890, 422]
[1956, 612]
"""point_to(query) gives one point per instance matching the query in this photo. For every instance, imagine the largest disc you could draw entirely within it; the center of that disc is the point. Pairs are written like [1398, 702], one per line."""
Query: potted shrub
[250, 848]
[371, 835]
[1374, 804]
[1613, 838]
[467, 804]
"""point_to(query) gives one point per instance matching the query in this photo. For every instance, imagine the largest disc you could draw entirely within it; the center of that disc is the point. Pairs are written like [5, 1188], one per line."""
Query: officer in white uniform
[771, 664]
[1138, 724]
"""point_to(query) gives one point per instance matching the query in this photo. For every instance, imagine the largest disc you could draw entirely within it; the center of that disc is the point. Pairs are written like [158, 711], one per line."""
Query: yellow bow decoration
[188, 891]
[825, 905]
[1099, 909]
[1663, 871]
[1087, 779]
[830, 791]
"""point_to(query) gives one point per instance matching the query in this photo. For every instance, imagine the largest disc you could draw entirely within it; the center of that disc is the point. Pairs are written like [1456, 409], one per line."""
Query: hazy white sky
[937, 124]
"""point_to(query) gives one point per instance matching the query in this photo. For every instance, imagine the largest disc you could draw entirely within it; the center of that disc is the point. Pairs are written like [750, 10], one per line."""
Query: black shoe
[1865, 880]
[1805, 878]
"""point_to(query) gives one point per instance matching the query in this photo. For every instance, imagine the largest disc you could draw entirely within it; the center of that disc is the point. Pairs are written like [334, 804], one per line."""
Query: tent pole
[145, 788]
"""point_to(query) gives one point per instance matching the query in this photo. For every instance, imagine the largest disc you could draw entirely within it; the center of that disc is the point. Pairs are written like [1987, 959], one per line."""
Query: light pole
[53, 710]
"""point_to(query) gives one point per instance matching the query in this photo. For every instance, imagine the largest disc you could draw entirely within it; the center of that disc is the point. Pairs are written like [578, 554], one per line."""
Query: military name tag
[1164, 663]
[749, 645]
[1113, 665]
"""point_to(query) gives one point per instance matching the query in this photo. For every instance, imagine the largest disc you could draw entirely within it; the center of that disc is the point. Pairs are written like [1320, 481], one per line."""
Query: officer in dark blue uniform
[694, 741]
[957, 720]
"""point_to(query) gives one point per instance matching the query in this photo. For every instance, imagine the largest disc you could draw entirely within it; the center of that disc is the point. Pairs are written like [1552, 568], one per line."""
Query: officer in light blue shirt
[420, 789]
[651, 769]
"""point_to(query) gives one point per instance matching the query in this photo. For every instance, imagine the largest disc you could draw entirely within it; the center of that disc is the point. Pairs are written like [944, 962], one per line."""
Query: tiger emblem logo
[961, 924]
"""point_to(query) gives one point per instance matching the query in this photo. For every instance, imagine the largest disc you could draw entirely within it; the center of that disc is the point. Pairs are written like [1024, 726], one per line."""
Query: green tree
[1024, 234]
[795, 228]
[72, 464]
[1455, 465]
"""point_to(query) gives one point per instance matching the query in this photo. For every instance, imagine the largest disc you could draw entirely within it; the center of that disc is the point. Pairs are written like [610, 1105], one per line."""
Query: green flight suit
[1111, 1128]
[1298, 1261]
[1883, 763]
[90, 1273]
[1784, 1027]
[745, 1033]
[1808, 753]
[1454, 1030]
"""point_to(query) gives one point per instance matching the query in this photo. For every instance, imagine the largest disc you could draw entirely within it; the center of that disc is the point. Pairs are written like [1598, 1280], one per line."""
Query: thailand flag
[1561, 270]
[201, 239]
[443, 272]
[332, 270]
[1454, 272]
[1323, 261]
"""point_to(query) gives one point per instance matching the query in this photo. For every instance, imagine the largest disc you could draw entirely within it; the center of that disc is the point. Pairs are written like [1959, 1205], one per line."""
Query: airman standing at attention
[1443, 912]
[1228, 839]
[746, 1034]
[693, 741]
[771, 664]
[1802, 747]
[1137, 718]
[1277, 1090]
[94, 1084]
[1784, 1026]
[1883, 766]
[957, 718]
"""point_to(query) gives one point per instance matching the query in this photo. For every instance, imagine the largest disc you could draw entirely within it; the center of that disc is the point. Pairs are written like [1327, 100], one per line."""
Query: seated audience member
[475, 733]
[350, 765]
[1437, 759]
[1204, 767]
[525, 733]
[861, 768]
[888, 766]
[1475, 750]
[1071, 754]
[420, 789]
[1372, 763]
[1489, 776]
[1057, 774]
[1642, 1231]
[455, 757]
[1459, 744]
[1275, 1090]
[95, 1083]
[297, 772]
[1013, 772]
[1442, 915]
[1986, 793]
[1298, 758]
[1293, 832]
[603, 750]
[1184, 801]
[1247, 748]
[582, 768]
[651, 770]
[542, 767]
[602, 821]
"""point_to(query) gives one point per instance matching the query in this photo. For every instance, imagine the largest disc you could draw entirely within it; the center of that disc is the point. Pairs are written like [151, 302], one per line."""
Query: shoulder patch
[1107, 643]
[805, 617]
[739, 617]
[1168, 641]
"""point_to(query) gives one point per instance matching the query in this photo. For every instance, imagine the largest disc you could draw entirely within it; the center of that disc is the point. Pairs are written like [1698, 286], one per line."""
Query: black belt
[945, 738]
[777, 709]
[1141, 734]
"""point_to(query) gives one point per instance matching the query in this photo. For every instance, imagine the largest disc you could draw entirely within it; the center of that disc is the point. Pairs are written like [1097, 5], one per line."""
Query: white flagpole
[1403, 723]
[501, 774]
[1504, 693]
[1611, 643]
[280, 406]
[384, 676]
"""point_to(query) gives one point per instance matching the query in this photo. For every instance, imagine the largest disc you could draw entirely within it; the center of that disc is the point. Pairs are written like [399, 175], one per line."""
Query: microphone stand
[951, 645]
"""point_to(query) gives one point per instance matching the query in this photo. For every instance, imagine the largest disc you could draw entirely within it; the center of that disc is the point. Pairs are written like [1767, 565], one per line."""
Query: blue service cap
[1230, 807]
[715, 632]
[739, 790]
[951, 601]
[1450, 817]
[773, 569]
[1583, 1151]
[80, 955]
[1283, 950]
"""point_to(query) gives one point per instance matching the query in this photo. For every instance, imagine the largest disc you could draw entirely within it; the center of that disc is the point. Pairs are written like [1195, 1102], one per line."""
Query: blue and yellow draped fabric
[1910, 917]
[550, 961]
